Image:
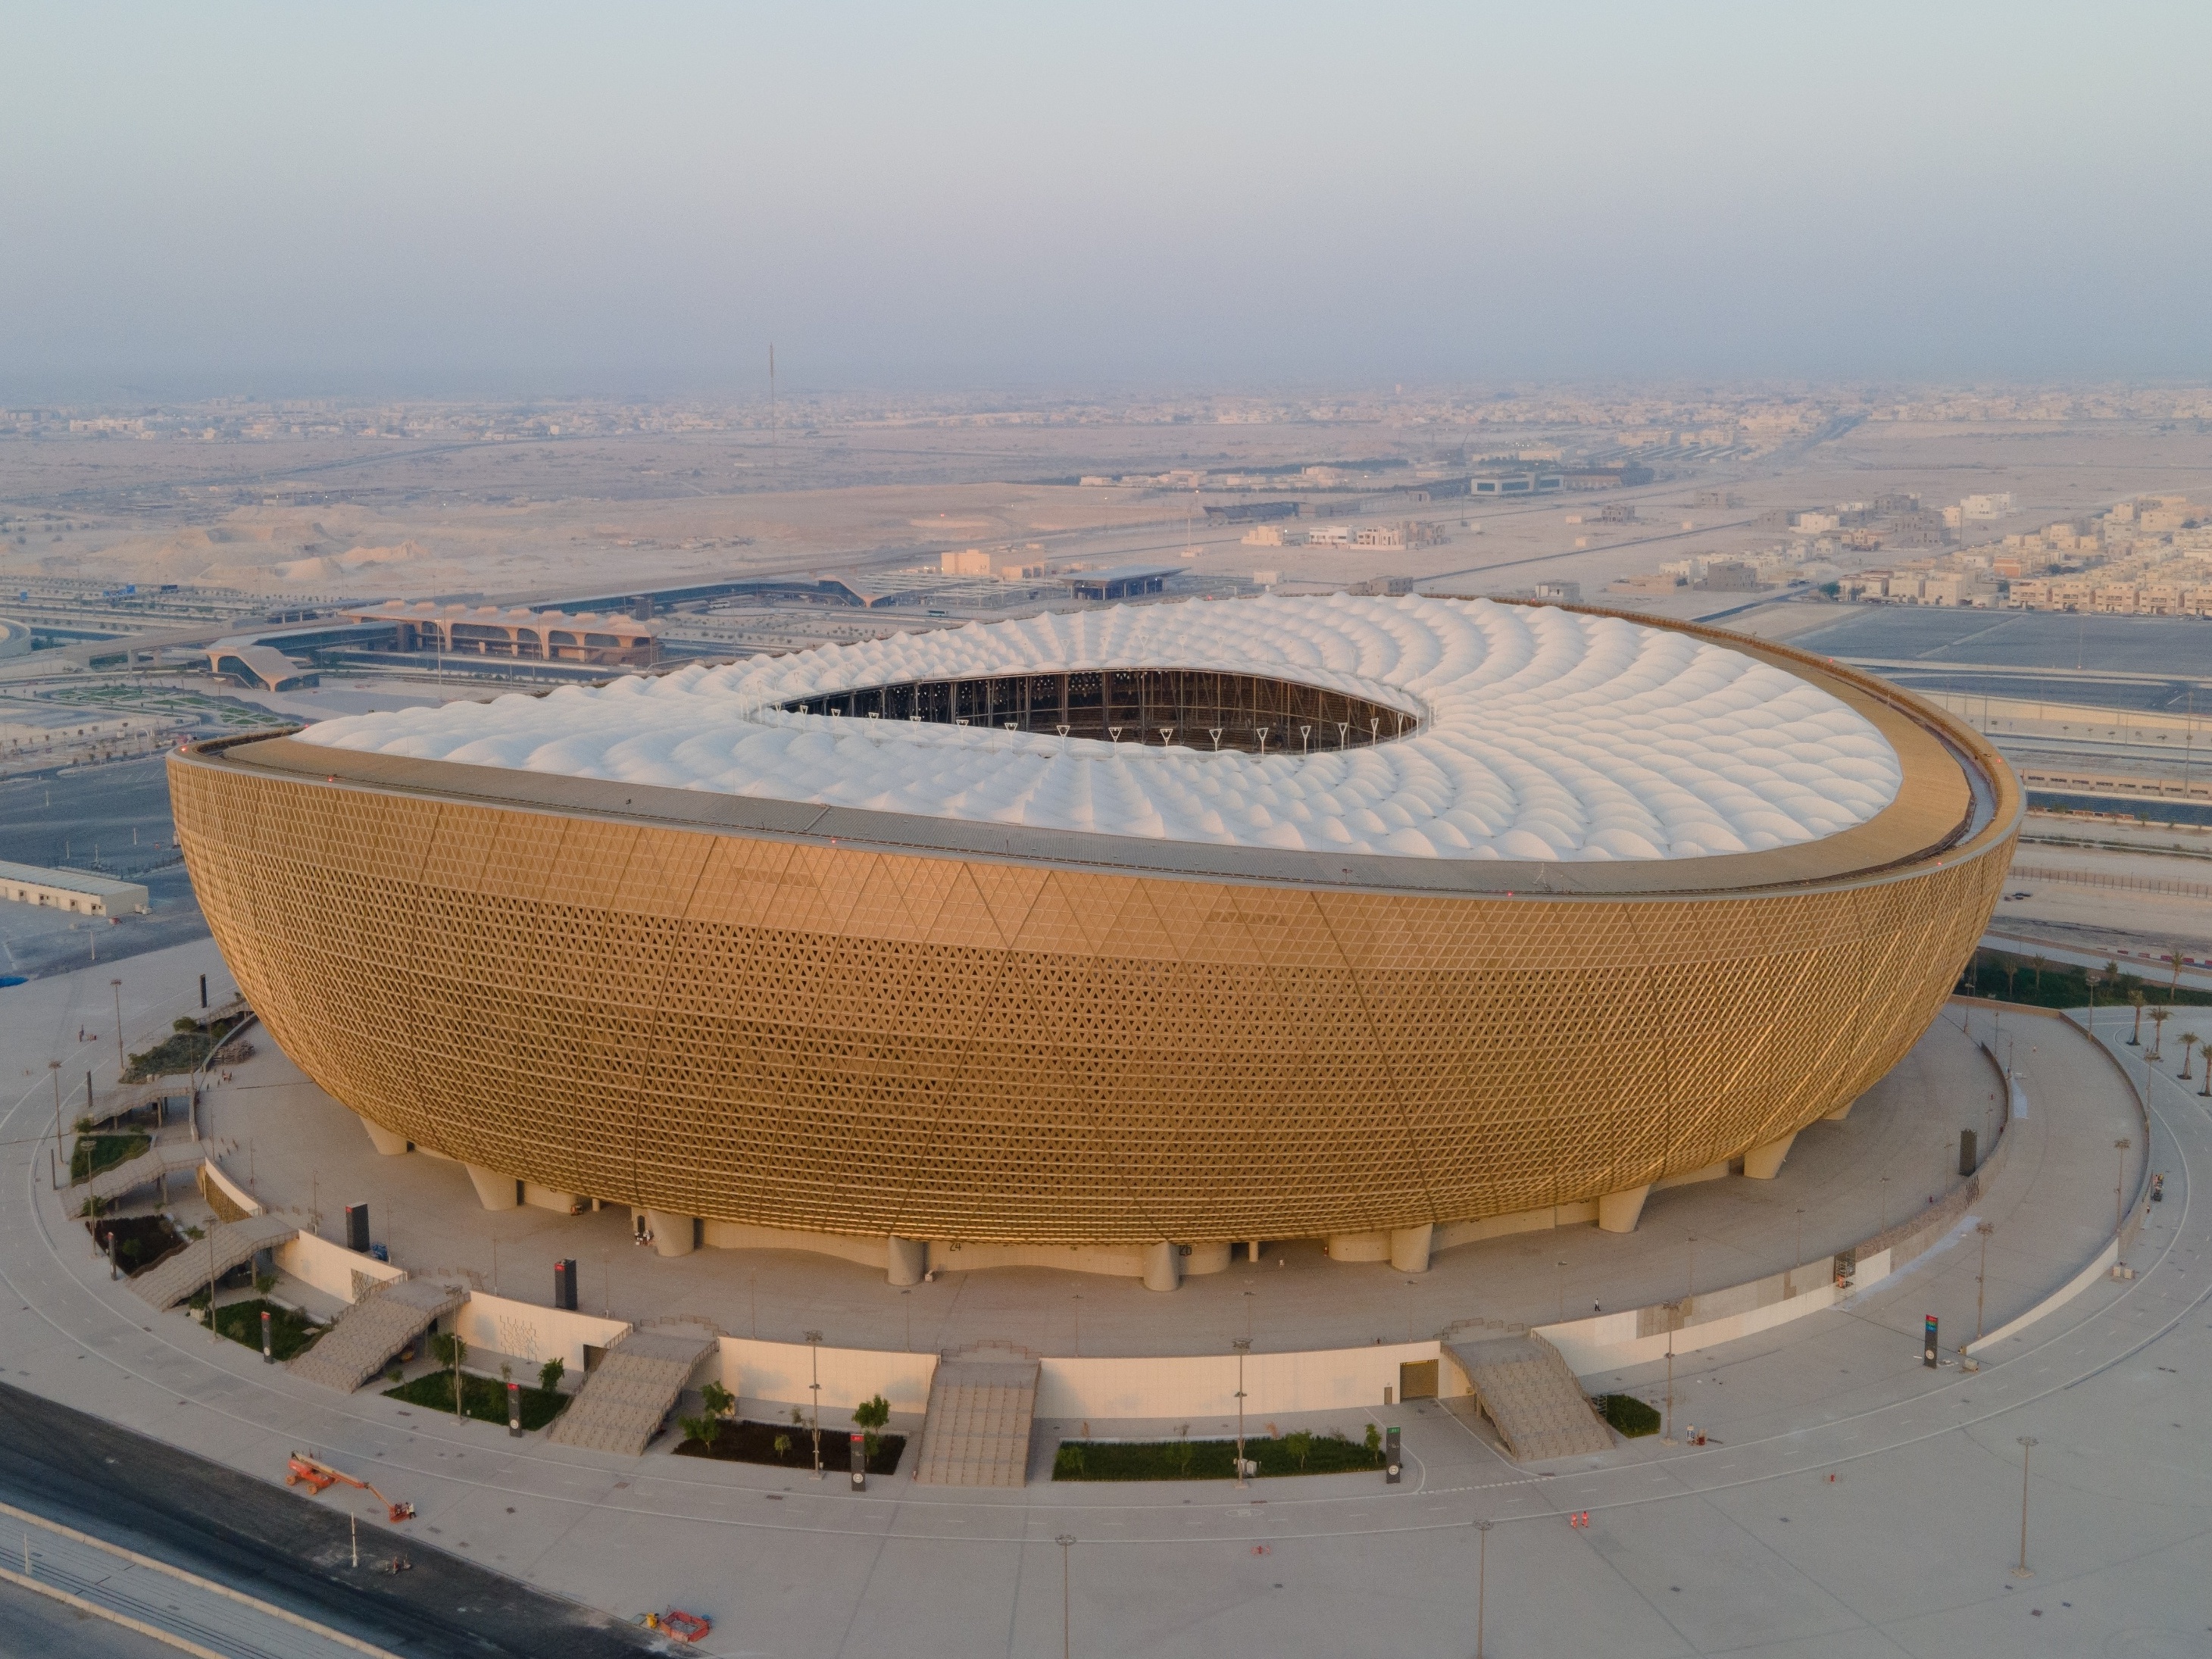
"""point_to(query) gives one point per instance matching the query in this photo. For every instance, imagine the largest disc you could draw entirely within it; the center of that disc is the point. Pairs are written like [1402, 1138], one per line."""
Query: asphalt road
[33, 1625]
[53, 820]
[269, 1542]
[50, 819]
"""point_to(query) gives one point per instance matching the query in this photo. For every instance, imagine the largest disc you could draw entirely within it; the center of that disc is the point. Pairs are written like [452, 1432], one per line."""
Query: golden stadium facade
[868, 1025]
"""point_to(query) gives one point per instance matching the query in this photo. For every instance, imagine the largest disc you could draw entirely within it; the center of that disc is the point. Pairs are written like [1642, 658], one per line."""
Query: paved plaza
[1847, 1500]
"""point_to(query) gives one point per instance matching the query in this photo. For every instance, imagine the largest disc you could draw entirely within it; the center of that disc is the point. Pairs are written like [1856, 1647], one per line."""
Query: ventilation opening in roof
[1192, 708]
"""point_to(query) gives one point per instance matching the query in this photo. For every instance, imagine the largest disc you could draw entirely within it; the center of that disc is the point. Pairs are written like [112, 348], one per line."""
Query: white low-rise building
[71, 889]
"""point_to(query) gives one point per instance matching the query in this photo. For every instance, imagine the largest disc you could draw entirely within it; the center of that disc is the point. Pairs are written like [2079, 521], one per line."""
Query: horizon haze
[530, 201]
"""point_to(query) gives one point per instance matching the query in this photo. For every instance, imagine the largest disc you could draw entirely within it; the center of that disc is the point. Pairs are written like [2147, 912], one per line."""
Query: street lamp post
[814, 1355]
[115, 988]
[1674, 1311]
[2027, 1445]
[1983, 1228]
[2119, 1191]
[1066, 1542]
[1243, 1346]
[1482, 1578]
[53, 1161]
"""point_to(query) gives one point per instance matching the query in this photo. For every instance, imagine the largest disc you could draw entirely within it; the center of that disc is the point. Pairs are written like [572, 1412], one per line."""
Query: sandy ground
[553, 515]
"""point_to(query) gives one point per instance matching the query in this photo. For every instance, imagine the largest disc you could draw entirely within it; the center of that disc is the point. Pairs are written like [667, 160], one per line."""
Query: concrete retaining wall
[533, 1335]
[1328, 1379]
[329, 1267]
[783, 1370]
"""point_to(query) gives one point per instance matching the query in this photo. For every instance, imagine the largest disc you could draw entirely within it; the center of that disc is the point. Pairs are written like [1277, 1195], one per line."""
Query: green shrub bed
[747, 1442]
[140, 1240]
[182, 1050]
[1627, 1414]
[290, 1333]
[1210, 1460]
[484, 1398]
[96, 1152]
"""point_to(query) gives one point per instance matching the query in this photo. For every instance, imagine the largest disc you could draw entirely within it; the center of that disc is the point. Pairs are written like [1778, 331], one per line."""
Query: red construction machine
[320, 1477]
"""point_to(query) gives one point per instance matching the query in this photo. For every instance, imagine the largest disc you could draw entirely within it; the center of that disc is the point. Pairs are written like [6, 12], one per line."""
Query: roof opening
[1190, 708]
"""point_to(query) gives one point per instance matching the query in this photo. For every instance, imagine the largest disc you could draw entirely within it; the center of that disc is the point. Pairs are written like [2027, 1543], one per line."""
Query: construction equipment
[320, 1477]
[683, 1626]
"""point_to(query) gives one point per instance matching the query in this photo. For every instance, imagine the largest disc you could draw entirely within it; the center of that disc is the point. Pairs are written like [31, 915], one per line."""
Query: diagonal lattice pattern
[801, 1029]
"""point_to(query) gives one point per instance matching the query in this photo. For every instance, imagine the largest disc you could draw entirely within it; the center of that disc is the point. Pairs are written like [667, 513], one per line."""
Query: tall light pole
[53, 1161]
[814, 1356]
[1482, 1578]
[1243, 1346]
[1066, 1542]
[115, 988]
[1981, 1277]
[2027, 1445]
[2119, 1189]
[1673, 1312]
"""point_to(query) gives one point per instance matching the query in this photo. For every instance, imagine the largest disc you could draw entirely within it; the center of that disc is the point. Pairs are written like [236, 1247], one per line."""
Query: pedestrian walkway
[625, 1401]
[228, 1245]
[178, 1608]
[369, 1332]
[1523, 1386]
[977, 1432]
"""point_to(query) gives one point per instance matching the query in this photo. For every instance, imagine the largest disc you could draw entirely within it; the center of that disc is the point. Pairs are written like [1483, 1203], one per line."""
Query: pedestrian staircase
[1523, 1386]
[624, 1401]
[368, 1335]
[156, 1163]
[977, 1432]
[226, 1245]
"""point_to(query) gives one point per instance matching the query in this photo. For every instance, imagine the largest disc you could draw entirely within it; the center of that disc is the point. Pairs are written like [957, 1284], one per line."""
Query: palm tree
[2188, 1042]
[2158, 1018]
[2135, 1040]
[2037, 964]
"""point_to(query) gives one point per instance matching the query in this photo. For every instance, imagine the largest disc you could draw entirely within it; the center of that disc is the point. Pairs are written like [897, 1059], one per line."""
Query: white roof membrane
[1545, 734]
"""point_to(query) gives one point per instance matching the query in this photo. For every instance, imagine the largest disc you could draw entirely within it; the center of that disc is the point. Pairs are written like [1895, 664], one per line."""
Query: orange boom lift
[320, 1476]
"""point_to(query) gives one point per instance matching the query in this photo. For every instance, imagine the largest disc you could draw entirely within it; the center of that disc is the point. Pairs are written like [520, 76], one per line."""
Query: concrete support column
[382, 1139]
[1409, 1248]
[908, 1258]
[1765, 1163]
[1840, 1113]
[672, 1234]
[1162, 1267]
[495, 1191]
[1617, 1212]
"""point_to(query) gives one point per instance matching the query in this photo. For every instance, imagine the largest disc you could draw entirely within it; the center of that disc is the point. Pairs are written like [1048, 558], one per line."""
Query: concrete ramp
[977, 1432]
[225, 1246]
[623, 1403]
[1524, 1387]
[167, 1158]
[374, 1328]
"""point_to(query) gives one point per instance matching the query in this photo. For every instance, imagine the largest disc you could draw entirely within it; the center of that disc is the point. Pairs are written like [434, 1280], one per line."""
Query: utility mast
[775, 470]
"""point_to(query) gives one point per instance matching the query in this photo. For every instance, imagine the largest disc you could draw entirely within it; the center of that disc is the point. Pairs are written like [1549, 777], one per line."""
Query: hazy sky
[540, 199]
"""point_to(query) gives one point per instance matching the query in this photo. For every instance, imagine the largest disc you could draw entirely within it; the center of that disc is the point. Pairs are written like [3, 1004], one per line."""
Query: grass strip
[484, 1398]
[1210, 1460]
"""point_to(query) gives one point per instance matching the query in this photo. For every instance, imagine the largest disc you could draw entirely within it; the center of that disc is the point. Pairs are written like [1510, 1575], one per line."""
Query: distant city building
[974, 562]
[1124, 581]
[73, 891]
[540, 635]
[1519, 481]
[1560, 593]
[1627, 475]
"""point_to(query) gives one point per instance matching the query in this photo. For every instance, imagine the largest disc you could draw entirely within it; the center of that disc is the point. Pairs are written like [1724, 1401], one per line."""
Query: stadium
[1118, 938]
